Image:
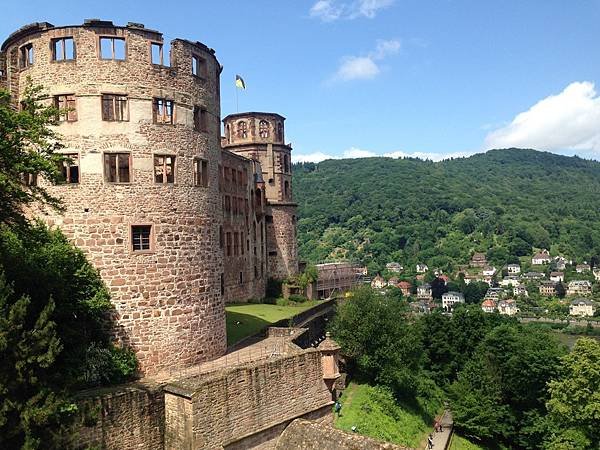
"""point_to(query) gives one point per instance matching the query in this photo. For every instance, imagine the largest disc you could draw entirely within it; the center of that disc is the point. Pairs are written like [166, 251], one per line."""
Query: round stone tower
[260, 136]
[141, 191]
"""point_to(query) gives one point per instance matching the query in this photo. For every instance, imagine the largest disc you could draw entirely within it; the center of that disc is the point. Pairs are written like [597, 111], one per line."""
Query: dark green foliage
[475, 291]
[297, 298]
[376, 335]
[502, 203]
[500, 393]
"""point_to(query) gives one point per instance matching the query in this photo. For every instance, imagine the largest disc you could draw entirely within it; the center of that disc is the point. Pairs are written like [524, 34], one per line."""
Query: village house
[423, 306]
[533, 276]
[488, 305]
[510, 280]
[582, 268]
[494, 293]
[513, 269]
[424, 292]
[561, 263]
[450, 299]
[393, 282]
[378, 282]
[445, 279]
[597, 274]
[478, 260]
[582, 307]
[489, 271]
[422, 268]
[579, 287]
[557, 277]
[548, 288]
[394, 267]
[508, 307]
[521, 290]
[405, 287]
[541, 258]
[472, 279]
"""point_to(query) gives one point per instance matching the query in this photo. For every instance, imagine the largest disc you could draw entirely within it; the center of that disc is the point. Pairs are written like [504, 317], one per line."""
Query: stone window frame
[161, 55]
[66, 153]
[161, 119]
[199, 66]
[26, 56]
[279, 131]
[152, 239]
[264, 129]
[68, 116]
[62, 40]
[117, 152]
[114, 96]
[200, 169]
[241, 131]
[113, 37]
[175, 163]
[200, 119]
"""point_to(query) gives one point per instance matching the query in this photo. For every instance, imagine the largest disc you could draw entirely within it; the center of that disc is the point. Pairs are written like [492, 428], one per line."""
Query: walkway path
[441, 440]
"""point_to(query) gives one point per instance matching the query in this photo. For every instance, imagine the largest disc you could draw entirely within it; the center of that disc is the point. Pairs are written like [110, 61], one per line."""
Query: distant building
[513, 269]
[582, 307]
[472, 279]
[422, 268]
[541, 258]
[548, 288]
[378, 282]
[597, 274]
[423, 306]
[444, 278]
[405, 287]
[424, 292]
[558, 277]
[532, 276]
[450, 299]
[488, 305]
[393, 282]
[494, 293]
[489, 271]
[521, 290]
[336, 278]
[561, 263]
[510, 280]
[579, 287]
[507, 307]
[582, 268]
[478, 260]
[394, 267]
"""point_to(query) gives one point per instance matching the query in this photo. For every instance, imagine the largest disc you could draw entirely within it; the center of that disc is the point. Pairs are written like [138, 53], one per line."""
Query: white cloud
[566, 121]
[366, 67]
[354, 152]
[331, 10]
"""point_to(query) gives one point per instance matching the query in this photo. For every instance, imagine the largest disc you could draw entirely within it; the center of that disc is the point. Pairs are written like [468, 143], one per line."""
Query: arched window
[242, 130]
[263, 129]
[279, 131]
[286, 163]
[286, 189]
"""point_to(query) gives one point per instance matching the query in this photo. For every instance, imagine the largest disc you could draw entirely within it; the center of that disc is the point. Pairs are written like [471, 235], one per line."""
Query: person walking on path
[430, 442]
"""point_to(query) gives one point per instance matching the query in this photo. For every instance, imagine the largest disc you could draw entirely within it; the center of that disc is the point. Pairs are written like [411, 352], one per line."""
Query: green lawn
[245, 319]
[460, 443]
[375, 413]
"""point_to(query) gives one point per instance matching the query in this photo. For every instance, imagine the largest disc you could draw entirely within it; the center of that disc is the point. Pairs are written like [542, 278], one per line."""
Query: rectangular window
[236, 243]
[140, 237]
[117, 167]
[114, 108]
[66, 105]
[162, 110]
[242, 241]
[164, 168]
[200, 172]
[199, 66]
[233, 176]
[63, 49]
[156, 53]
[200, 119]
[227, 203]
[221, 237]
[26, 55]
[228, 242]
[70, 168]
[112, 48]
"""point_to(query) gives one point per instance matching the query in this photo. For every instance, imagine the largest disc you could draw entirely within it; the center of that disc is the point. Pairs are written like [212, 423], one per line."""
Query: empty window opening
[236, 243]
[199, 66]
[163, 110]
[114, 107]
[164, 168]
[200, 172]
[112, 48]
[66, 106]
[279, 132]
[263, 129]
[242, 130]
[222, 284]
[228, 242]
[286, 163]
[156, 53]
[227, 203]
[200, 119]
[140, 237]
[117, 167]
[241, 280]
[286, 189]
[63, 49]
[221, 237]
[70, 168]
[26, 55]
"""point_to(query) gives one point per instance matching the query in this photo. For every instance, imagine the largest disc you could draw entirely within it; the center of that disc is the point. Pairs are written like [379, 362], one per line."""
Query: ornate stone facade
[147, 184]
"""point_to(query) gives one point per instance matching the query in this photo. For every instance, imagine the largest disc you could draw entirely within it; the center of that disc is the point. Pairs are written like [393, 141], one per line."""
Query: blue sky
[389, 77]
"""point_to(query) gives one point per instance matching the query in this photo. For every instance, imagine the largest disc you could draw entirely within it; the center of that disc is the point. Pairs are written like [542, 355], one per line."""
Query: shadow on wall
[240, 325]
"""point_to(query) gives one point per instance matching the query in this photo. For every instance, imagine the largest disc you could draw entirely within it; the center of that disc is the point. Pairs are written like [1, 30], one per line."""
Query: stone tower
[141, 191]
[260, 136]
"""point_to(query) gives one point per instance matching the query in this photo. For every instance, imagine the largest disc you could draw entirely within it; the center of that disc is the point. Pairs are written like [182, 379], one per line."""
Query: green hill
[503, 202]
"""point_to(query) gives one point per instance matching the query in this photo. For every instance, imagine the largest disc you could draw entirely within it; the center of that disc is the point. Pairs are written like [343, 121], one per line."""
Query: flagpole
[237, 104]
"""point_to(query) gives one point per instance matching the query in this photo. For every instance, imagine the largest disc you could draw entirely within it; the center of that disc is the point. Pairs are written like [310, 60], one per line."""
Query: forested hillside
[503, 203]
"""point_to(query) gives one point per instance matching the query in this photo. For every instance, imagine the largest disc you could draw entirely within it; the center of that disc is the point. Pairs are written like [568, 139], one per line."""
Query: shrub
[297, 298]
